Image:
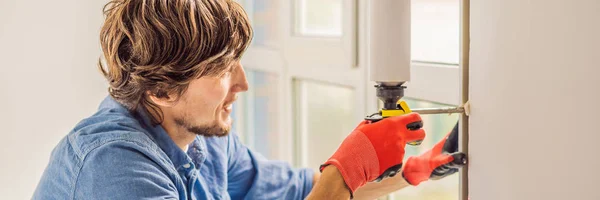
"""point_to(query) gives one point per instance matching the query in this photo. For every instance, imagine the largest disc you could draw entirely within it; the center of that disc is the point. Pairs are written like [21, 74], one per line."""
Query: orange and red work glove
[374, 151]
[440, 161]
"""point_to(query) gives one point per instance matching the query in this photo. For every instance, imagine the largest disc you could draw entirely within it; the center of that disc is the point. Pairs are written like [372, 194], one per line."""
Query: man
[163, 133]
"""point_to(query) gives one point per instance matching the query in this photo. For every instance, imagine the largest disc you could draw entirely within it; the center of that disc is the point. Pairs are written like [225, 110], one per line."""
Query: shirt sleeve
[119, 170]
[251, 176]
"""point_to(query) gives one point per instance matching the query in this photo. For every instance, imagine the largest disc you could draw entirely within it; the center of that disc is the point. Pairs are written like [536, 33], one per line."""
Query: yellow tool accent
[391, 113]
[404, 109]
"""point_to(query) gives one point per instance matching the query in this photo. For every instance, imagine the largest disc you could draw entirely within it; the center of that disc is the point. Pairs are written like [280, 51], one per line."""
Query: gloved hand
[440, 161]
[375, 150]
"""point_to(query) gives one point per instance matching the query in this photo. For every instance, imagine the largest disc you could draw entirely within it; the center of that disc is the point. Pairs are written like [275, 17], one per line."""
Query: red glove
[375, 150]
[436, 163]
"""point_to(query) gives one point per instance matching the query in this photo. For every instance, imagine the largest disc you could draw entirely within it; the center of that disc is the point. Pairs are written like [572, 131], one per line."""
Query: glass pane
[260, 117]
[436, 127]
[324, 117]
[319, 17]
[264, 19]
[435, 31]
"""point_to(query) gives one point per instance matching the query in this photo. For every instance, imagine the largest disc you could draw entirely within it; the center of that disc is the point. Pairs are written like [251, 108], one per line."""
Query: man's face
[205, 107]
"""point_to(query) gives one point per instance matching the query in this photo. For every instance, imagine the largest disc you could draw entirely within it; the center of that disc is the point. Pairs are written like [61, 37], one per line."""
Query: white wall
[48, 82]
[535, 94]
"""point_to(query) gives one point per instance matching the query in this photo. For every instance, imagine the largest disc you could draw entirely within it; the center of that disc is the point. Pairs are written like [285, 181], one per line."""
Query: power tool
[389, 57]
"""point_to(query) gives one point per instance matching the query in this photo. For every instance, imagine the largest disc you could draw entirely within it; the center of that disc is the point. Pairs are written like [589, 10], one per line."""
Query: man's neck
[178, 134]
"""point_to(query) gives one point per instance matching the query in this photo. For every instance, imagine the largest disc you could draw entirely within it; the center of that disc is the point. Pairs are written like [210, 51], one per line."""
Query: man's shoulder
[107, 138]
[108, 127]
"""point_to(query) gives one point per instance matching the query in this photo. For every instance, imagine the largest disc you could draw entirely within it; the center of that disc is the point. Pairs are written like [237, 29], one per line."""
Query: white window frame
[298, 57]
[324, 51]
[434, 82]
[334, 60]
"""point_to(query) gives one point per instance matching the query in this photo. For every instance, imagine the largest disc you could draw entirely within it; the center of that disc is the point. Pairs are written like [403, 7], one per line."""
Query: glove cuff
[357, 163]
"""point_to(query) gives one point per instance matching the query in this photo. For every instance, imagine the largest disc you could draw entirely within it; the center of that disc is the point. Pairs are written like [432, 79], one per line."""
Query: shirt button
[186, 165]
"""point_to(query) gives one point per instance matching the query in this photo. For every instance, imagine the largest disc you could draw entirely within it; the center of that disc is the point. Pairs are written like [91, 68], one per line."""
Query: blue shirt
[118, 155]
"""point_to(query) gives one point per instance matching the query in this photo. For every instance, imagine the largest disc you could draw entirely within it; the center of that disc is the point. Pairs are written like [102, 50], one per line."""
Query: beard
[209, 130]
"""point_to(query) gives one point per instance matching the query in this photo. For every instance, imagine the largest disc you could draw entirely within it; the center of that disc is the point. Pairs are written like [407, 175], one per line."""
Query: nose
[239, 79]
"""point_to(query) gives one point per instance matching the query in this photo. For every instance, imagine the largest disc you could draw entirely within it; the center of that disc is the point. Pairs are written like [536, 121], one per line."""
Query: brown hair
[159, 46]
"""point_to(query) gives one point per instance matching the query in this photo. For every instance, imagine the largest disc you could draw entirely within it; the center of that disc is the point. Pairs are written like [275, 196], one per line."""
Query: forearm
[326, 184]
[330, 185]
[373, 190]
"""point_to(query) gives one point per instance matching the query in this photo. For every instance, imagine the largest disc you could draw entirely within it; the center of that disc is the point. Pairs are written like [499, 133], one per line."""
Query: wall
[535, 94]
[48, 82]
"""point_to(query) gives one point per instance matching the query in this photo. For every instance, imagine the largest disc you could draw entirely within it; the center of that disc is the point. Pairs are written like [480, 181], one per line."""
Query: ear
[167, 101]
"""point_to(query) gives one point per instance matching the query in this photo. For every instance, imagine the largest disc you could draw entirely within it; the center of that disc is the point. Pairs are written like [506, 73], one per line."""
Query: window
[435, 31]
[434, 83]
[324, 116]
[258, 120]
[320, 33]
[435, 51]
[303, 53]
[319, 18]
[309, 85]
[263, 15]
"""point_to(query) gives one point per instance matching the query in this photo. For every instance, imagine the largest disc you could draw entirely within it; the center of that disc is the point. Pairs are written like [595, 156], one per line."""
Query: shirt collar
[179, 158]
